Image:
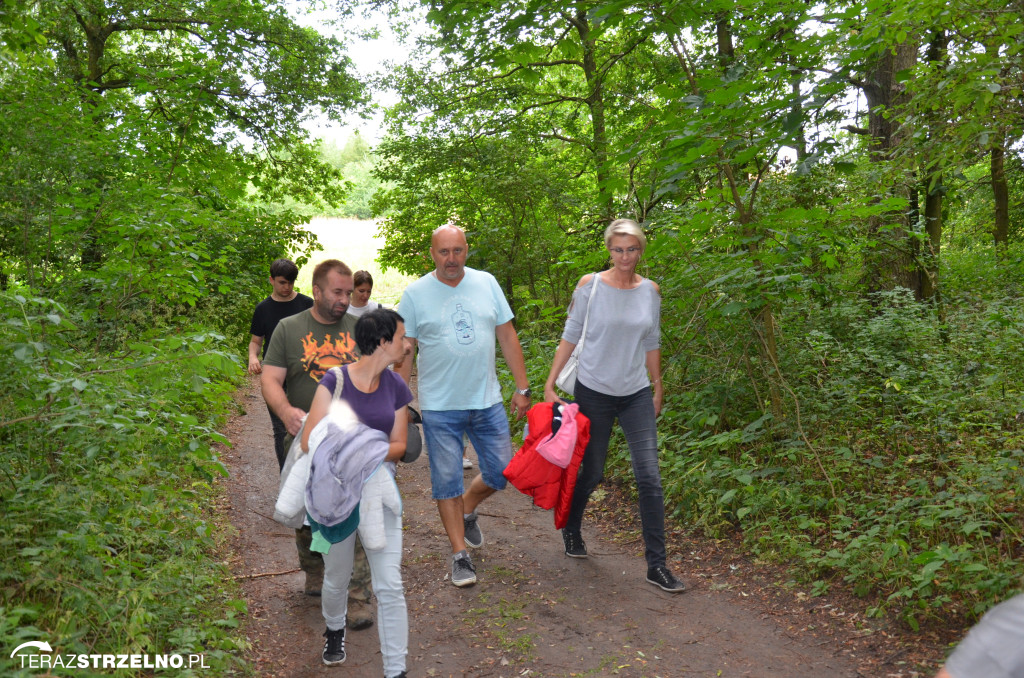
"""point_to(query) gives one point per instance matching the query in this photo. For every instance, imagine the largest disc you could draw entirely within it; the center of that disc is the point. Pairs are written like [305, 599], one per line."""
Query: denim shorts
[487, 430]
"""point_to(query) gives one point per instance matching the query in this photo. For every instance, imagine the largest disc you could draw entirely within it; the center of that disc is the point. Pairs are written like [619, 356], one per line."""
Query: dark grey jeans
[635, 413]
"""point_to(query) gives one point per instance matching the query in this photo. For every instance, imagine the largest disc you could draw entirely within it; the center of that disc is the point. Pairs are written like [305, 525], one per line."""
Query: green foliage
[812, 401]
[355, 161]
[107, 527]
[352, 181]
[356, 243]
[133, 141]
[519, 211]
[901, 477]
[864, 437]
[133, 150]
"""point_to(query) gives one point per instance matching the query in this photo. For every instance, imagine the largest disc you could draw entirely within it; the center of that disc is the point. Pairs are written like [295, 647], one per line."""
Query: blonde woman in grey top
[619, 377]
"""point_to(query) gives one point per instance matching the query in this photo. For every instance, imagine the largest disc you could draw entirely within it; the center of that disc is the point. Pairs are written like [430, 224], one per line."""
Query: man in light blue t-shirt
[453, 316]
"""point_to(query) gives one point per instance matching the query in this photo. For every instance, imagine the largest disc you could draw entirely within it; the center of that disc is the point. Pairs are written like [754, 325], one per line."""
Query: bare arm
[508, 339]
[653, 359]
[943, 673]
[562, 354]
[404, 368]
[255, 344]
[272, 381]
[399, 435]
[317, 411]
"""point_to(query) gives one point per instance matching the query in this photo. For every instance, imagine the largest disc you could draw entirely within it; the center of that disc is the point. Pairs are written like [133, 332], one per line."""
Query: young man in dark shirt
[282, 303]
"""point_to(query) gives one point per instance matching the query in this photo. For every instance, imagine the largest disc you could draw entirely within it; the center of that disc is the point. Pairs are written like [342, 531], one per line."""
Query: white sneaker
[466, 463]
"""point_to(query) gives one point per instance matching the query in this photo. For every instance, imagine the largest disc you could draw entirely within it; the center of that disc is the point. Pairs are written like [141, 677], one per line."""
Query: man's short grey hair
[625, 227]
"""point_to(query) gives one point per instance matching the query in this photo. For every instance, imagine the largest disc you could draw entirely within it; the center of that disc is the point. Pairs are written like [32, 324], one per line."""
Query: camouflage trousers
[312, 562]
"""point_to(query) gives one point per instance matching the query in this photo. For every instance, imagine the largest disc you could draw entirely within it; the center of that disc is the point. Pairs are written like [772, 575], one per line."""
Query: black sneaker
[665, 580]
[334, 647]
[473, 536]
[574, 546]
[463, 572]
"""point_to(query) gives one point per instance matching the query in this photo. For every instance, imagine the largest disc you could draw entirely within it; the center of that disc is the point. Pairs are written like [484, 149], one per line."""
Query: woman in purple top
[378, 397]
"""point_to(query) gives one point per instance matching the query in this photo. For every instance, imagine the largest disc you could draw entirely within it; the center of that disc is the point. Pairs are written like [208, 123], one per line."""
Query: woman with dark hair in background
[360, 304]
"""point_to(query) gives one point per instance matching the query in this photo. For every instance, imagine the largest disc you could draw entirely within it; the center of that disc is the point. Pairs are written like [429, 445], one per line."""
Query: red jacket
[549, 485]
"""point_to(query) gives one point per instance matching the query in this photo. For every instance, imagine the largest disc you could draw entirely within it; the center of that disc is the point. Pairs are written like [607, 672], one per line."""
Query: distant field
[354, 242]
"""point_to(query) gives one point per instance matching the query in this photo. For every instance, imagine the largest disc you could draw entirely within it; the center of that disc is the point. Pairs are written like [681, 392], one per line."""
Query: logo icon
[38, 644]
[463, 322]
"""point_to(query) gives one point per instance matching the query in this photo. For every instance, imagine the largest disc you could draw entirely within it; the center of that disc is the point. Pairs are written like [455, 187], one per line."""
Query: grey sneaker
[334, 647]
[663, 578]
[463, 572]
[473, 536]
[574, 546]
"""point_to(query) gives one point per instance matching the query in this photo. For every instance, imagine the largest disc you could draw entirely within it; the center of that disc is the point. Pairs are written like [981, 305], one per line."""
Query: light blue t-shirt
[454, 328]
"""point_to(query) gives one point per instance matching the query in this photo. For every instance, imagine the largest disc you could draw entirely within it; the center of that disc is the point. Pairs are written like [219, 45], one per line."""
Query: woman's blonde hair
[625, 227]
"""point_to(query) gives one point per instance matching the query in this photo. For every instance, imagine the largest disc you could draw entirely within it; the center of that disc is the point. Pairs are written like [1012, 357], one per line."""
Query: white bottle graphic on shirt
[463, 322]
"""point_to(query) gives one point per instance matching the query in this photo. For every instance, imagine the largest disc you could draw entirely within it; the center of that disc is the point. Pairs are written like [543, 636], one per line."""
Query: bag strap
[339, 386]
[586, 318]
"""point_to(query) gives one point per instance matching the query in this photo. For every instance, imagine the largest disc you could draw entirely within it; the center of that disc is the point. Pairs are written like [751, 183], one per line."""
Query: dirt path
[535, 612]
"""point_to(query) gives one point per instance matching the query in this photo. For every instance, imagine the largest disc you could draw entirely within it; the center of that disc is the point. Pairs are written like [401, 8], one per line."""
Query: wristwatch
[524, 391]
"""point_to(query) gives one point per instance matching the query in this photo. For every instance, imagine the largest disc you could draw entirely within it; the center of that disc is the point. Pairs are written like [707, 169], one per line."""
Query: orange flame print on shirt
[318, 358]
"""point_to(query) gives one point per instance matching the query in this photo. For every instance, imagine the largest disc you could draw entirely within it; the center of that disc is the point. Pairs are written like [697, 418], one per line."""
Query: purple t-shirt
[377, 409]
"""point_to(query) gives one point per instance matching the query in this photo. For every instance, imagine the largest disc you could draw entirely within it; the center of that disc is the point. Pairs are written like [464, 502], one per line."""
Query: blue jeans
[487, 430]
[636, 416]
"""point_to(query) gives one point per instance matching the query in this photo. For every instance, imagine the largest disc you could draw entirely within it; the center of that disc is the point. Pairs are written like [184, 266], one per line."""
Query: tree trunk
[762, 318]
[90, 79]
[934, 192]
[1000, 195]
[891, 262]
[595, 102]
[796, 109]
[933, 229]
[723, 32]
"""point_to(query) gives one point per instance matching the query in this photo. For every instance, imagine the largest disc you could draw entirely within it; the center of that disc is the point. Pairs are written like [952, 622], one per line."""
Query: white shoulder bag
[566, 379]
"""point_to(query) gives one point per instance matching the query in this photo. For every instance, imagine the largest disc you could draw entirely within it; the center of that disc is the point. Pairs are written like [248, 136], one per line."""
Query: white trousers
[386, 572]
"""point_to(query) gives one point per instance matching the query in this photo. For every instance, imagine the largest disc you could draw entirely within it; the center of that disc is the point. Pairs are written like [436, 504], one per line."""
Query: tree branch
[570, 140]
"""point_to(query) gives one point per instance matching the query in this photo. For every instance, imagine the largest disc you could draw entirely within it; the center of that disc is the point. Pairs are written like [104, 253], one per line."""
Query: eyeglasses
[620, 251]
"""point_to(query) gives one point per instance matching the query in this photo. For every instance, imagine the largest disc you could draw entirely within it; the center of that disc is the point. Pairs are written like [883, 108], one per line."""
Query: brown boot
[314, 583]
[360, 615]
[360, 591]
